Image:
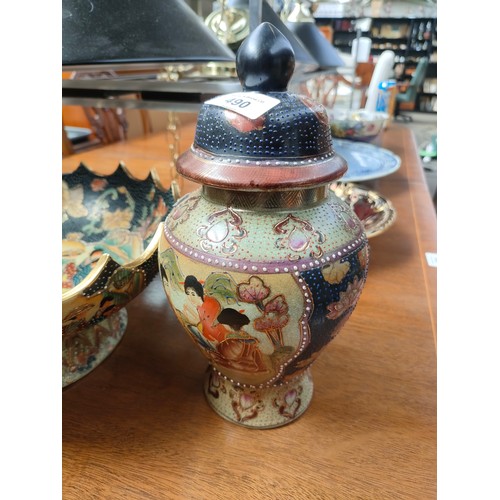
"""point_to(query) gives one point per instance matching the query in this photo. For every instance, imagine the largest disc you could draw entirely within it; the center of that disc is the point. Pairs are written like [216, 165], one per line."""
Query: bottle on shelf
[419, 46]
[413, 36]
[428, 31]
[421, 31]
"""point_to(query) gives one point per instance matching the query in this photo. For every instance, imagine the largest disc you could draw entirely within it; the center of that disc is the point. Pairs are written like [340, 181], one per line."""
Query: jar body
[262, 287]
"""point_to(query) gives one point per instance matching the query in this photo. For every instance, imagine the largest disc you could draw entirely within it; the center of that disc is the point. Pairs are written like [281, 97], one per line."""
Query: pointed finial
[265, 60]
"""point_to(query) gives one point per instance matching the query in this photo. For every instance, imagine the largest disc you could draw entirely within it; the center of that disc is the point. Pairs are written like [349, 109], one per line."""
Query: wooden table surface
[138, 426]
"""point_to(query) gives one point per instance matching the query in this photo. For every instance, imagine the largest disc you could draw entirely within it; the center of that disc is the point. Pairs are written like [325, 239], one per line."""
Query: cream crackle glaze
[264, 263]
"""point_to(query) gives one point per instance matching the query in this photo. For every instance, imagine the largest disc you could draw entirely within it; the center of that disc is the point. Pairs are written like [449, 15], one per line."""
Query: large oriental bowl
[111, 226]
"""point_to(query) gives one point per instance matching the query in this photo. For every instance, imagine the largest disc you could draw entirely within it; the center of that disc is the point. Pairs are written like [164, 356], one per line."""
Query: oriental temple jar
[263, 264]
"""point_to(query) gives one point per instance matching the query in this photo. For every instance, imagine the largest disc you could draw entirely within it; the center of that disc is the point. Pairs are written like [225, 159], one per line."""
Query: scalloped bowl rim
[105, 257]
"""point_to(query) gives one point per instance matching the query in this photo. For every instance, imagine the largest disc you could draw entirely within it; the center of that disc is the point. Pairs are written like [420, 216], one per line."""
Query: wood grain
[138, 426]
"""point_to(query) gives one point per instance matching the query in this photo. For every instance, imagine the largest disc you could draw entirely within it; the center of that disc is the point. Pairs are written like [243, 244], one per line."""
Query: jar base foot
[258, 407]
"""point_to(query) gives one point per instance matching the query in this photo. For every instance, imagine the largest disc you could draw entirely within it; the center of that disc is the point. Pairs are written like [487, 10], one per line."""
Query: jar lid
[262, 137]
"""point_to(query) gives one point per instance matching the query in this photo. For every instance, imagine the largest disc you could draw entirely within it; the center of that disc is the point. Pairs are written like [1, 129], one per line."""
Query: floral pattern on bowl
[358, 125]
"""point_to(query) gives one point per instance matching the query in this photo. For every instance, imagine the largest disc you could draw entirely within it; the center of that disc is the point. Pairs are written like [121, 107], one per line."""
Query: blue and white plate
[365, 161]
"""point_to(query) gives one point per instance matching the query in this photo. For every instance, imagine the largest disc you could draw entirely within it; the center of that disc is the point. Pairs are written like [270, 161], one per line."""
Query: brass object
[375, 212]
[230, 24]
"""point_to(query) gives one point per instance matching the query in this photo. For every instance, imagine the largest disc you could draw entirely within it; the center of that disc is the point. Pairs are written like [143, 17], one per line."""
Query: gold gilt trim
[379, 204]
[262, 200]
[92, 277]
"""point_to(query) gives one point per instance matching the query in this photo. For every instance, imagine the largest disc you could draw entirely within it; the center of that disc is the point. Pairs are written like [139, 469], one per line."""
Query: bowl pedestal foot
[258, 407]
[88, 348]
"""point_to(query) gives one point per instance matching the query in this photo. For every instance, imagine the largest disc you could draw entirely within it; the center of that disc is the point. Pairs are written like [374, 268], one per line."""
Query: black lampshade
[322, 50]
[302, 24]
[114, 33]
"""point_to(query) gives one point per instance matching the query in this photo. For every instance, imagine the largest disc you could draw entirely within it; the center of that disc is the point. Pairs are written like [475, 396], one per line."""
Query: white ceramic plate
[365, 161]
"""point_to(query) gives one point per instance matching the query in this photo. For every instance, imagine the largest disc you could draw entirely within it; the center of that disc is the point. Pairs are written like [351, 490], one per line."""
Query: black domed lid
[263, 126]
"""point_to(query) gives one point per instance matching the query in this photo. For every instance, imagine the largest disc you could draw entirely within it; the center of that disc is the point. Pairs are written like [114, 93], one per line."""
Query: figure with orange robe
[238, 350]
[207, 307]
